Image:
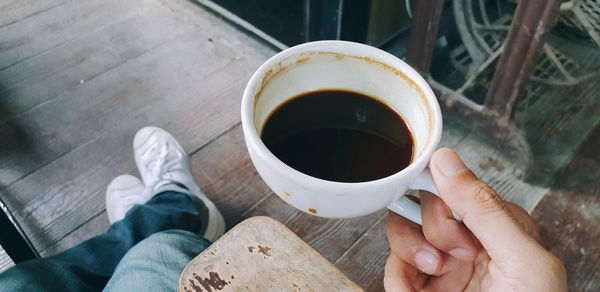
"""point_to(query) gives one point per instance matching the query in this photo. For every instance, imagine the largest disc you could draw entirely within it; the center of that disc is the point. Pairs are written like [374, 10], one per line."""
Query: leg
[168, 198]
[156, 263]
[89, 265]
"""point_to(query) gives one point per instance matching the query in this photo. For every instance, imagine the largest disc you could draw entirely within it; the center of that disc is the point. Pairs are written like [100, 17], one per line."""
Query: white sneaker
[164, 166]
[122, 193]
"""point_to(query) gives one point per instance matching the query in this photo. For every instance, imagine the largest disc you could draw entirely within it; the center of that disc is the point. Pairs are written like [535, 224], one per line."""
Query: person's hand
[495, 248]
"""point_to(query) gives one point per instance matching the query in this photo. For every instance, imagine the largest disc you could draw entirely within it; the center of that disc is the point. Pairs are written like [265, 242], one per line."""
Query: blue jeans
[149, 261]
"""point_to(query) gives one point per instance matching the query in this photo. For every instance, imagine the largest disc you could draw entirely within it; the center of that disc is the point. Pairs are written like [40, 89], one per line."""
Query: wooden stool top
[261, 254]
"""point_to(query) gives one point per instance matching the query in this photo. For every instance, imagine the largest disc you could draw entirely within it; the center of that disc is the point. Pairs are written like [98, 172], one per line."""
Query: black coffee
[339, 135]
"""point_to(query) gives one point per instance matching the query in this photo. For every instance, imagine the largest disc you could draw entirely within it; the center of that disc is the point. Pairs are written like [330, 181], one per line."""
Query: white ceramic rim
[337, 47]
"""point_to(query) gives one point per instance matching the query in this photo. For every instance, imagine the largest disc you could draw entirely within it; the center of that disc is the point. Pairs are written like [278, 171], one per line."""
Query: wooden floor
[79, 78]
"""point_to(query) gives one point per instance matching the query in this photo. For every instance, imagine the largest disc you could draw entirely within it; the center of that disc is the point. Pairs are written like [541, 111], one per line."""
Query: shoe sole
[216, 223]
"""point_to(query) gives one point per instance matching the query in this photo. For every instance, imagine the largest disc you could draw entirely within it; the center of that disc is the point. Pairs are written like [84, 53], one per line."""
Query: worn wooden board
[261, 254]
[193, 84]
[226, 175]
[44, 77]
[106, 102]
[72, 200]
[96, 225]
[5, 261]
[364, 262]
[52, 28]
[16, 10]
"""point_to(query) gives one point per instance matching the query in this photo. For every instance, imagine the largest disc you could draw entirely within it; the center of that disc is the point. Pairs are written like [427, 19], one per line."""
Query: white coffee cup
[356, 67]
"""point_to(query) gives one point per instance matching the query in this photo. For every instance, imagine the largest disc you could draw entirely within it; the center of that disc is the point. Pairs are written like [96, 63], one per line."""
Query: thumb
[480, 208]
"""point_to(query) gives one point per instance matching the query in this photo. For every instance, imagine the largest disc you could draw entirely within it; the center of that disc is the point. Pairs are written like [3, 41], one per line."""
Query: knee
[173, 241]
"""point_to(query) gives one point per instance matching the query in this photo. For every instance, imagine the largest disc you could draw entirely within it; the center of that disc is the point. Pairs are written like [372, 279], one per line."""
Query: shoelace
[161, 159]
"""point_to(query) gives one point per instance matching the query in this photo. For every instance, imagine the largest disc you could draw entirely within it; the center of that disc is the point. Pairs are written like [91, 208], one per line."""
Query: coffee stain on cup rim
[303, 57]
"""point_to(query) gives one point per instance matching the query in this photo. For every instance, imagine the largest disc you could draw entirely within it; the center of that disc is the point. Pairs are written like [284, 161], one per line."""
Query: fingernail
[426, 261]
[461, 254]
[449, 162]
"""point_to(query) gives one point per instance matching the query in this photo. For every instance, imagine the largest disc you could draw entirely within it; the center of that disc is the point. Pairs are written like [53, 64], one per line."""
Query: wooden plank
[50, 29]
[55, 141]
[70, 190]
[5, 261]
[95, 226]
[364, 262]
[276, 257]
[46, 76]
[67, 187]
[16, 10]
[568, 223]
[105, 102]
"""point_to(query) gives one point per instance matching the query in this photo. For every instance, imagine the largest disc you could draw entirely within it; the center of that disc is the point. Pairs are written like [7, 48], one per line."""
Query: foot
[122, 193]
[164, 166]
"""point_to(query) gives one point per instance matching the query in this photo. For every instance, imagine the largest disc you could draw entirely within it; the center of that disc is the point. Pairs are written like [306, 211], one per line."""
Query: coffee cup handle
[410, 210]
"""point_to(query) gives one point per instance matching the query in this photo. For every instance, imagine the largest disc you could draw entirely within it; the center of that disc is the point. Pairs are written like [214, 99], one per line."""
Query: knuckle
[485, 195]
[433, 230]
[524, 219]
[436, 237]
[556, 264]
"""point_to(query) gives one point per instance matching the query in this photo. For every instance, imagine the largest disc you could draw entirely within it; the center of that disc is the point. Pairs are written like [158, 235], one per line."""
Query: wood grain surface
[59, 154]
[261, 254]
[15, 10]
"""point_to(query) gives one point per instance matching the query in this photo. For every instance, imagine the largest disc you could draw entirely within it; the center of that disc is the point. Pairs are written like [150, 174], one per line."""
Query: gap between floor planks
[17, 10]
[20, 164]
[39, 79]
[55, 27]
[180, 127]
